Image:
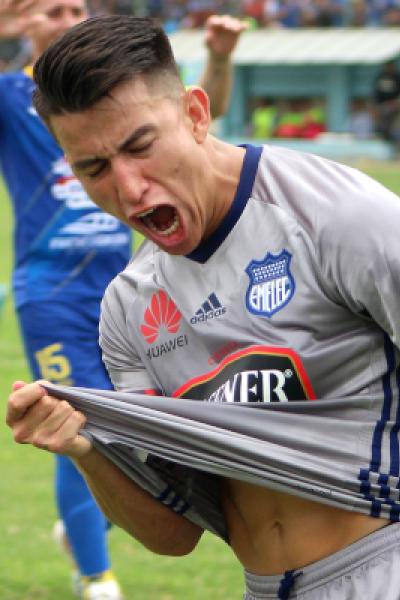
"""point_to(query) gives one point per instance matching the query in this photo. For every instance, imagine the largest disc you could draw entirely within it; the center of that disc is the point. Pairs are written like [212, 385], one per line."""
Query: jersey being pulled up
[64, 245]
[294, 297]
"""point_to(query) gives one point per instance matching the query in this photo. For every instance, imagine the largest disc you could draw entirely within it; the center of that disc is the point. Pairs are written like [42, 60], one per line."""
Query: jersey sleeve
[361, 256]
[124, 366]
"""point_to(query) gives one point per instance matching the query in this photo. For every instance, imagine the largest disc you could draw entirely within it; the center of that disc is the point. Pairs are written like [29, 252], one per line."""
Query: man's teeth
[145, 213]
[171, 229]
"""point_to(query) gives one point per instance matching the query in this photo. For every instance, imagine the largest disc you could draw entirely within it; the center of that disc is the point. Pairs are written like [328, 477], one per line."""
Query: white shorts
[369, 569]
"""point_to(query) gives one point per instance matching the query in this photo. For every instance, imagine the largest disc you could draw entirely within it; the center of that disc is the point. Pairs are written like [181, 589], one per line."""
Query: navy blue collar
[249, 169]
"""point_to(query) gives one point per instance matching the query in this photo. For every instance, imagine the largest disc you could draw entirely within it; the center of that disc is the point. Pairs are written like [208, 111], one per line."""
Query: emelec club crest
[271, 284]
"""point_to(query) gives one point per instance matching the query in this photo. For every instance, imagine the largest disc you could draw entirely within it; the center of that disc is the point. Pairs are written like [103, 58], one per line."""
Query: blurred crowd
[192, 14]
[369, 117]
[178, 14]
[294, 118]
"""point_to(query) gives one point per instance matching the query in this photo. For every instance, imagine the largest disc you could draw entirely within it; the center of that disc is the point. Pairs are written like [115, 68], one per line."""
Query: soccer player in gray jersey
[267, 276]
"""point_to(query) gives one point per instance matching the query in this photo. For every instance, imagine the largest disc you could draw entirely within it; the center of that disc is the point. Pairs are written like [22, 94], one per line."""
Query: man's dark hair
[90, 59]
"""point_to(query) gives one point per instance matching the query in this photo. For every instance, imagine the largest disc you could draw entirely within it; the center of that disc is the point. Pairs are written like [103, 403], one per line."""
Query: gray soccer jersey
[298, 291]
[294, 297]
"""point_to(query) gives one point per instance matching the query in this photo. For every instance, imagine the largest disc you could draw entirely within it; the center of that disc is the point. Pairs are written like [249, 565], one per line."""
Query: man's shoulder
[139, 269]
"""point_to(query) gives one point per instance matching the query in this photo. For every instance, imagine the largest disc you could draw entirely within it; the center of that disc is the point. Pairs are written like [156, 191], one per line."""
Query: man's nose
[129, 182]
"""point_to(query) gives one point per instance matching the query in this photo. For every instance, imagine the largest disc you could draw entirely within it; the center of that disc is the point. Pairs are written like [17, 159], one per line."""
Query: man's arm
[54, 425]
[221, 37]
[156, 526]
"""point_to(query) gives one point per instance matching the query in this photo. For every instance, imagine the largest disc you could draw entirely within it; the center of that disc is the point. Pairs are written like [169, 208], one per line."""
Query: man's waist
[272, 532]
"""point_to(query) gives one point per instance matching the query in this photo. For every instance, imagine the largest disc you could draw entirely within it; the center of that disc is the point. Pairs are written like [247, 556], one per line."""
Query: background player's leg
[77, 507]
[53, 354]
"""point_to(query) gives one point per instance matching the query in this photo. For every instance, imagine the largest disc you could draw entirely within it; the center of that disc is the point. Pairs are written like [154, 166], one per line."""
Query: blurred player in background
[66, 252]
[386, 102]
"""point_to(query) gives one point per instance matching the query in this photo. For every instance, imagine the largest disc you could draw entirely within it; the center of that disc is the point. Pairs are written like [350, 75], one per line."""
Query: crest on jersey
[271, 284]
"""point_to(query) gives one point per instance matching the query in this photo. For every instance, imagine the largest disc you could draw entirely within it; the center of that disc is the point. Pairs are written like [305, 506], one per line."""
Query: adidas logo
[210, 309]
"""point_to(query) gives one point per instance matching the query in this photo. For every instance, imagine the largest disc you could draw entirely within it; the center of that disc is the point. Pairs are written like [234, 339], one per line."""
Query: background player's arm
[11, 24]
[54, 425]
[222, 34]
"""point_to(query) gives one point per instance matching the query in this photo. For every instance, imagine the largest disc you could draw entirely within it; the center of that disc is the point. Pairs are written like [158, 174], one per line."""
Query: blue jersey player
[66, 252]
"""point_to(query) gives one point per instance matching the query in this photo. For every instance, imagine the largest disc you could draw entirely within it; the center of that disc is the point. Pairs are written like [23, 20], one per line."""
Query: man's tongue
[163, 217]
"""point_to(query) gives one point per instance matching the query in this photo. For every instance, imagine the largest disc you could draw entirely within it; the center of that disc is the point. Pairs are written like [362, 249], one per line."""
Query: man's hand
[45, 422]
[19, 17]
[222, 34]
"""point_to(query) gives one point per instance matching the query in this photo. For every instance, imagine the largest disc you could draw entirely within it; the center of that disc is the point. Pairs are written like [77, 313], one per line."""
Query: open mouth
[163, 220]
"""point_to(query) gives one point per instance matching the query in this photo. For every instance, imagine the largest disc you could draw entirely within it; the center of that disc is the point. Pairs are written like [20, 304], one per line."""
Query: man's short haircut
[90, 59]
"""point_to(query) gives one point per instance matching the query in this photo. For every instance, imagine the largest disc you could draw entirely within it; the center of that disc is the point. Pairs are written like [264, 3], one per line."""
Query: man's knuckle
[79, 418]
[12, 404]
[56, 446]
[66, 407]
[47, 401]
[38, 440]
[19, 436]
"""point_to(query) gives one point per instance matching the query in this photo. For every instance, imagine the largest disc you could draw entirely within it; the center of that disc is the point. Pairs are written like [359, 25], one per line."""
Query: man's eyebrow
[86, 163]
[136, 135]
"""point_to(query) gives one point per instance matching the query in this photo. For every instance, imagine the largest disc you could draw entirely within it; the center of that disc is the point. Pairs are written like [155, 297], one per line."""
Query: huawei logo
[161, 312]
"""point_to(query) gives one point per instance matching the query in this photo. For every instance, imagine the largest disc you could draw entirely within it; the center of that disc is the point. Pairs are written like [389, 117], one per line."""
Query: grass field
[31, 567]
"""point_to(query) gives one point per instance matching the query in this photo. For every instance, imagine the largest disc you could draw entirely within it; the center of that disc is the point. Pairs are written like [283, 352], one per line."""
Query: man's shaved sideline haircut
[82, 67]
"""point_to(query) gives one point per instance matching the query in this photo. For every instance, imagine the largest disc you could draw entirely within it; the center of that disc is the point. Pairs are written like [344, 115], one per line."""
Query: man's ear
[197, 106]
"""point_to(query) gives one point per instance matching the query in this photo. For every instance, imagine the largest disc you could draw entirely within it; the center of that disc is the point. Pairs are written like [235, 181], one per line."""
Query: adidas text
[211, 314]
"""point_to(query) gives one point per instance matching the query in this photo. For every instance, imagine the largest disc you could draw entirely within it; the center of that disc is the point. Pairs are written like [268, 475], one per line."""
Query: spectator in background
[198, 12]
[290, 120]
[170, 12]
[254, 11]
[314, 122]
[290, 12]
[263, 118]
[360, 123]
[326, 13]
[391, 18]
[384, 12]
[386, 98]
[272, 13]
[358, 15]
[303, 118]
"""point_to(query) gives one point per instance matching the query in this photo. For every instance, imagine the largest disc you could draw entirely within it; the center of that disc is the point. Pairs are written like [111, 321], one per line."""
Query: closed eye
[96, 170]
[139, 149]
